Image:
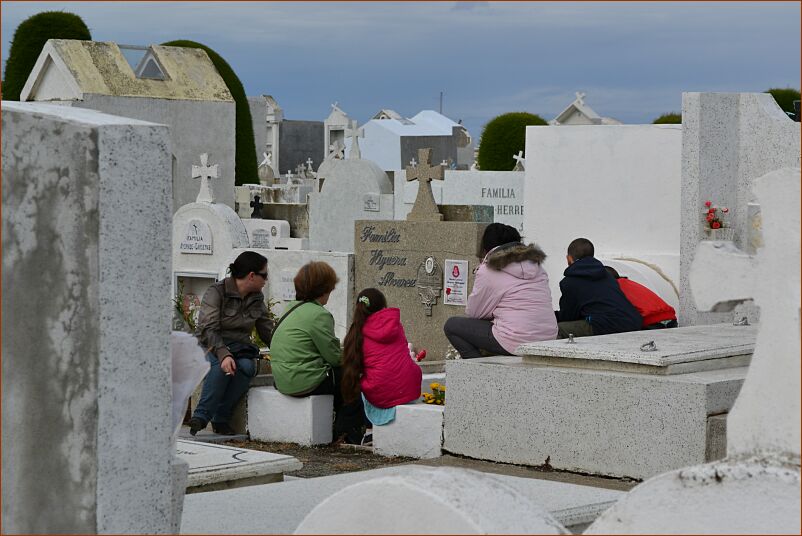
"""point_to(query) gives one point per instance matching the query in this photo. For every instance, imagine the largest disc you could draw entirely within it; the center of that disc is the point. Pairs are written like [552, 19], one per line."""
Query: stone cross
[268, 159]
[257, 207]
[354, 133]
[413, 163]
[205, 173]
[309, 164]
[520, 164]
[580, 97]
[722, 276]
[425, 209]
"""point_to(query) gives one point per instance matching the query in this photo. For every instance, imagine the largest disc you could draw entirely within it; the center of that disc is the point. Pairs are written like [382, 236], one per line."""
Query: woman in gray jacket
[229, 311]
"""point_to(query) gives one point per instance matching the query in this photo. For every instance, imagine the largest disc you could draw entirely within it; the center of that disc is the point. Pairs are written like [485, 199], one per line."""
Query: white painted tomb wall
[617, 185]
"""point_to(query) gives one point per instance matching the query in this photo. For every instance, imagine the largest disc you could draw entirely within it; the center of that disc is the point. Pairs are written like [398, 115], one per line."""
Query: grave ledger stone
[87, 439]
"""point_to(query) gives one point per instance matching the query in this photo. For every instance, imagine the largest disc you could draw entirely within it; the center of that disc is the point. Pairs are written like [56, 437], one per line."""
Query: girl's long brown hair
[352, 345]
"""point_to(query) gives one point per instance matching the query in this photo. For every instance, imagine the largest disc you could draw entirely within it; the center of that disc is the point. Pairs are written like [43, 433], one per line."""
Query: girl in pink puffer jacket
[376, 357]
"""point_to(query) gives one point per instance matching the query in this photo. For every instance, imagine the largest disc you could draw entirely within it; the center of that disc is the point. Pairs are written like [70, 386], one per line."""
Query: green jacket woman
[305, 353]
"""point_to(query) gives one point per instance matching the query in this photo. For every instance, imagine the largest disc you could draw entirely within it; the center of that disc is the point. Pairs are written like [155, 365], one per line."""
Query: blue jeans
[220, 392]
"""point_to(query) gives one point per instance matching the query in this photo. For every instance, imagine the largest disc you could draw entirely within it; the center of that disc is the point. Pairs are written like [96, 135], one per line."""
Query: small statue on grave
[257, 207]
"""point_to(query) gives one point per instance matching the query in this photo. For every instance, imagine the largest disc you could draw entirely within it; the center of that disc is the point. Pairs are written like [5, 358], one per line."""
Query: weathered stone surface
[391, 256]
[217, 467]
[86, 276]
[591, 421]
[290, 502]
[680, 350]
[747, 496]
[297, 214]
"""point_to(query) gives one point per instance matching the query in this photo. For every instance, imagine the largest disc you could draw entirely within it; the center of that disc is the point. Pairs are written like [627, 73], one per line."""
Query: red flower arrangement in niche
[714, 216]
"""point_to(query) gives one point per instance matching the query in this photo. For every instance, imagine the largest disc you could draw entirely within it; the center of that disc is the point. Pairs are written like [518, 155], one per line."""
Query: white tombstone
[87, 437]
[353, 190]
[728, 140]
[441, 500]
[756, 489]
[204, 235]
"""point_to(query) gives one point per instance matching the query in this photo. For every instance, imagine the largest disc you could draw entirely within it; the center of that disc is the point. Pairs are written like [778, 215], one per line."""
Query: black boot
[196, 425]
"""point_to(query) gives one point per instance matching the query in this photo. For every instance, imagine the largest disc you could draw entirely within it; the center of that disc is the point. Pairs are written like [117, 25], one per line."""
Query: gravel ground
[326, 460]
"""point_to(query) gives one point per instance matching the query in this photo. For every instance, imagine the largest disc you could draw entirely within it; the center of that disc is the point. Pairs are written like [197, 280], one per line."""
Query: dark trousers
[348, 418]
[577, 328]
[469, 336]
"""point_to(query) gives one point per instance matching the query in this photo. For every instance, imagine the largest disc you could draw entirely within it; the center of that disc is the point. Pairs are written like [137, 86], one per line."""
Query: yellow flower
[434, 385]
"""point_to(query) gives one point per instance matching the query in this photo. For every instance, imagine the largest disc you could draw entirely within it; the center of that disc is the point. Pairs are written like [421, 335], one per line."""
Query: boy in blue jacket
[592, 302]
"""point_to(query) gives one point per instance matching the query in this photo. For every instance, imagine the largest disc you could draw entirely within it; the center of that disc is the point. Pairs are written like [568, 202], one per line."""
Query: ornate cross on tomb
[268, 160]
[354, 133]
[205, 173]
[580, 97]
[424, 209]
[257, 207]
[520, 164]
[413, 163]
[309, 162]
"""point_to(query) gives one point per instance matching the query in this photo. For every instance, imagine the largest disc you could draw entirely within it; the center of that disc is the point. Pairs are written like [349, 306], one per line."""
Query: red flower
[708, 203]
[725, 210]
[709, 217]
[711, 211]
[715, 225]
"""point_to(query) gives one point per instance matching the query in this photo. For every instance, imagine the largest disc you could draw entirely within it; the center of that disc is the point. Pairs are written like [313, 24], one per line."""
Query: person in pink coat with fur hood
[376, 358]
[510, 303]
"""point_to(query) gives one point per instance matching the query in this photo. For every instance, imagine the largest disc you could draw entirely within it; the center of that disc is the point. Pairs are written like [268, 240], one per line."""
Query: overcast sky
[633, 60]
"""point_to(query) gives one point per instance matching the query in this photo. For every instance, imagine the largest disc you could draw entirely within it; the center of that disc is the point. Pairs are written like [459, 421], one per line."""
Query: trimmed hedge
[785, 97]
[503, 137]
[29, 39]
[245, 165]
[669, 118]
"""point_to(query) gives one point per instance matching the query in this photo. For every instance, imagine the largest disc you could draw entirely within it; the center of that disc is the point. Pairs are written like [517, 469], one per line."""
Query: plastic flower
[708, 203]
[715, 225]
[434, 385]
[725, 210]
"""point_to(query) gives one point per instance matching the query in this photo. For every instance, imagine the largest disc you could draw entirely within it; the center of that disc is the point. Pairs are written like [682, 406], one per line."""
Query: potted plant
[715, 225]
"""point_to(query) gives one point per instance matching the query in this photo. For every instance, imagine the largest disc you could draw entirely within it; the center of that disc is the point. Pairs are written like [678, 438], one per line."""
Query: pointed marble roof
[67, 69]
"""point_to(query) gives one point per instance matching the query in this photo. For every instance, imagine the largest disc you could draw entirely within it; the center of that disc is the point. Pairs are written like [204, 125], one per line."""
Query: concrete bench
[601, 405]
[417, 432]
[275, 417]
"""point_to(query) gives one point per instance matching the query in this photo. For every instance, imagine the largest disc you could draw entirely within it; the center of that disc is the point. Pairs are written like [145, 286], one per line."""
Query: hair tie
[364, 300]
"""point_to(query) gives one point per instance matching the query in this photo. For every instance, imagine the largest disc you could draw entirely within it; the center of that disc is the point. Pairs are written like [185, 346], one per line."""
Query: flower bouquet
[715, 226]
